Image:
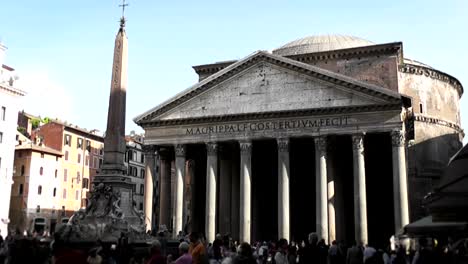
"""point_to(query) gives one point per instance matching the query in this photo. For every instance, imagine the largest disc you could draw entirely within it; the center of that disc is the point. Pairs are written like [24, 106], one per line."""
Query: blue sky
[62, 50]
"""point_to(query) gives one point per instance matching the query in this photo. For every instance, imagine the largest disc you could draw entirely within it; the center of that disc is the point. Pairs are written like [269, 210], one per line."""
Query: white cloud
[45, 97]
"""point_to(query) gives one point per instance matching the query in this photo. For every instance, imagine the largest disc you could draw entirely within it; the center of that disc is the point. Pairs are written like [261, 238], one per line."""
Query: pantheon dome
[320, 43]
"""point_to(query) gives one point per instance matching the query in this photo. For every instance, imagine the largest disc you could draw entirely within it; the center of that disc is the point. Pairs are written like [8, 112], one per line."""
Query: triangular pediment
[264, 83]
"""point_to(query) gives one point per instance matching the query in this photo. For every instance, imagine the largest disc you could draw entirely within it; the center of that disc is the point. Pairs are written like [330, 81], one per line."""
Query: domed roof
[321, 43]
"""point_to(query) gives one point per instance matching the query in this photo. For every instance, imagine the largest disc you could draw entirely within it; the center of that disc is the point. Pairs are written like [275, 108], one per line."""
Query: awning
[426, 227]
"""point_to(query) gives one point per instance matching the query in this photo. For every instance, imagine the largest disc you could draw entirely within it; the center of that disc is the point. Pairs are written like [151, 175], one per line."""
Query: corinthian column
[283, 188]
[321, 187]
[245, 191]
[360, 203]
[179, 188]
[148, 198]
[211, 175]
[400, 189]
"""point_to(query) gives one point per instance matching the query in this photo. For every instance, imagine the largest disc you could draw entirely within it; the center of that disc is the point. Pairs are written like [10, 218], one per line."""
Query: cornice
[313, 71]
[266, 115]
[12, 90]
[212, 68]
[388, 48]
[432, 73]
[438, 121]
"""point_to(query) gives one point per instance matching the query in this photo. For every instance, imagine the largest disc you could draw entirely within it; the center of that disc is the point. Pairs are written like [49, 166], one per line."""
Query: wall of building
[380, 70]
[32, 203]
[10, 103]
[135, 163]
[431, 97]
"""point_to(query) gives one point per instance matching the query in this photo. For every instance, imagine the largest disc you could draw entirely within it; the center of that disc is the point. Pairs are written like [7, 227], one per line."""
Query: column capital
[180, 150]
[212, 148]
[245, 147]
[321, 143]
[148, 150]
[358, 141]
[398, 138]
[165, 153]
[283, 144]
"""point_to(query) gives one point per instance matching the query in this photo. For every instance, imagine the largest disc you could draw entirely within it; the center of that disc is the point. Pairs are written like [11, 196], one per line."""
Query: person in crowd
[310, 252]
[354, 254]
[424, 255]
[368, 253]
[281, 254]
[185, 256]
[334, 254]
[215, 251]
[323, 251]
[292, 254]
[94, 257]
[156, 256]
[263, 253]
[244, 255]
[197, 249]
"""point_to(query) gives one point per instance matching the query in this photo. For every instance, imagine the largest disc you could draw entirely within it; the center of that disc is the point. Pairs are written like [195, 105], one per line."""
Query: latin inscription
[269, 126]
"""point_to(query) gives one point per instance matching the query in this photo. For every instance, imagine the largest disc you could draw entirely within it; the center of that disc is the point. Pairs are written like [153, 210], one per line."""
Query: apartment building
[82, 152]
[135, 163]
[10, 102]
[34, 205]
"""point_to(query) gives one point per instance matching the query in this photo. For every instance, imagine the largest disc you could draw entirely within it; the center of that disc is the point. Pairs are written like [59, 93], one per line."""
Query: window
[22, 170]
[88, 145]
[67, 140]
[78, 177]
[38, 209]
[135, 157]
[96, 163]
[65, 175]
[41, 171]
[64, 195]
[77, 194]
[1, 137]
[142, 158]
[85, 183]
[39, 190]
[56, 173]
[101, 150]
[20, 191]
[142, 189]
[141, 206]
[135, 171]
[129, 170]
[129, 155]
[66, 155]
[79, 143]
[42, 155]
[87, 160]
[79, 158]
[420, 108]
[100, 163]
[3, 113]
[55, 192]
[142, 173]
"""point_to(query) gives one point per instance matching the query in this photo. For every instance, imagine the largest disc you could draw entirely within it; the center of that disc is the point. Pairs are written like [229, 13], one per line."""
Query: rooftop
[320, 43]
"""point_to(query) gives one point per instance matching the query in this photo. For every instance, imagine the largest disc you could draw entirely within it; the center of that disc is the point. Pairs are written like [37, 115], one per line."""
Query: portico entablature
[280, 127]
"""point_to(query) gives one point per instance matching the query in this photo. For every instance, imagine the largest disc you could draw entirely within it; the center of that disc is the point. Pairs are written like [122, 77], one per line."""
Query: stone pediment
[266, 83]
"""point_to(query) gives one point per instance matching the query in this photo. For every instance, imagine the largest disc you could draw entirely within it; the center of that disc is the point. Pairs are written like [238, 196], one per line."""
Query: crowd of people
[194, 249]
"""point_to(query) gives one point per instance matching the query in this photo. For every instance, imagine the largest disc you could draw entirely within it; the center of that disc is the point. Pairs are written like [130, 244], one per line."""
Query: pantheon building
[330, 134]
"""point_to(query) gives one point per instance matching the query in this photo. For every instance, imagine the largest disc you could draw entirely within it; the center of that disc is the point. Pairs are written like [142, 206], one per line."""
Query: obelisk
[113, 172]
[110, 214]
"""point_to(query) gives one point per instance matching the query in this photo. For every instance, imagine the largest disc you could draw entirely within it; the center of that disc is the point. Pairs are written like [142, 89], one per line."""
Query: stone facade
[322, 116]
